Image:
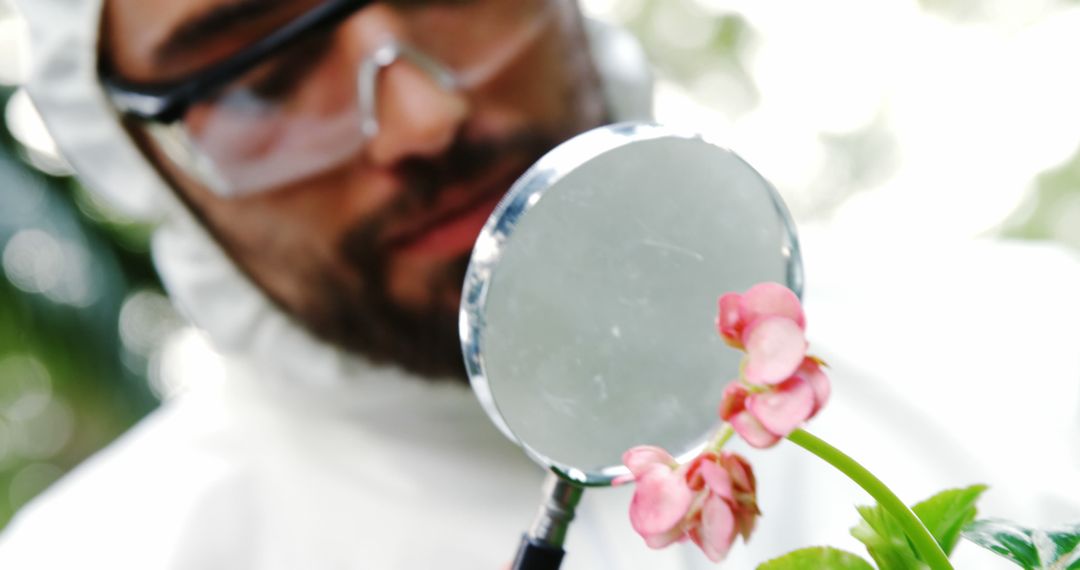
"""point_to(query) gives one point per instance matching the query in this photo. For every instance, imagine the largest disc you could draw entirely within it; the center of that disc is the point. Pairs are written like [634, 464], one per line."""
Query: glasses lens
[290, 118]
[479, 38]
[297, 114]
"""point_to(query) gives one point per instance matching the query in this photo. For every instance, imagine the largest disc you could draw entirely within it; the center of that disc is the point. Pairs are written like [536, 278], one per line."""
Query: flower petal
[729, 318]
[660, 501]
[773, 300]
[717, 479]
[643, 457]
[716, 531]
[742, 475]
[783, 408]
[733, 401]
[775, 347]
[751, 430]
[661, 540]
[746, 518]
[819, 382]
[691, 471]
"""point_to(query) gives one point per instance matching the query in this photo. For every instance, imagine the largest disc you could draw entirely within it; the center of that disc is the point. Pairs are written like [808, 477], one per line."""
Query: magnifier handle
[536, 555]
[541, 548]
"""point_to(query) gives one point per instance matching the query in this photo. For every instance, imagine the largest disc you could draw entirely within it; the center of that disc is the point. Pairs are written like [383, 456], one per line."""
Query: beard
[367, 319]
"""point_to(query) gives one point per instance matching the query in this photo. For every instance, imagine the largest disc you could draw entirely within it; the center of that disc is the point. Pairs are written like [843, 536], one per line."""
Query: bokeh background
[927, 120]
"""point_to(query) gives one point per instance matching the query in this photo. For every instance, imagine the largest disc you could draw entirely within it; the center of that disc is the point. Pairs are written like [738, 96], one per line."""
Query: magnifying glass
[587, 310]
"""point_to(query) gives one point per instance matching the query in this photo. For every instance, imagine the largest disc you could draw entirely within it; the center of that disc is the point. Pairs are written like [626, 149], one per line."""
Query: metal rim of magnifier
[523, 196]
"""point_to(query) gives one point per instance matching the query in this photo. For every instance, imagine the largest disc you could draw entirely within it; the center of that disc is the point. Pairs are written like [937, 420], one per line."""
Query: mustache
[424, 178]
[465, 160]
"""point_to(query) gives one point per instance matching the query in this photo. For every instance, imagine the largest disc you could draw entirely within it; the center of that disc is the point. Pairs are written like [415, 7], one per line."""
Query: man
[372, 193]
[320, 169]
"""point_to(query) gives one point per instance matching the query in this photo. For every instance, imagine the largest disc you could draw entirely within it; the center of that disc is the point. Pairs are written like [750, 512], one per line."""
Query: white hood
[204, 283]
[64, 86]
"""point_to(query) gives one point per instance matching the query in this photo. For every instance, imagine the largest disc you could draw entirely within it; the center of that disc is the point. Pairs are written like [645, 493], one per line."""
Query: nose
[411, 106]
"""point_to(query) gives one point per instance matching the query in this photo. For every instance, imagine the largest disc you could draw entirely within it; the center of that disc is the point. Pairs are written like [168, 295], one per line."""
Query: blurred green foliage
[690, 44]
[1051, 210]
[64, 389]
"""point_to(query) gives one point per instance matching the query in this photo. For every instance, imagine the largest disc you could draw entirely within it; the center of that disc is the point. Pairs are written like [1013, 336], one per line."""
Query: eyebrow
[219, 20]
[213, 23]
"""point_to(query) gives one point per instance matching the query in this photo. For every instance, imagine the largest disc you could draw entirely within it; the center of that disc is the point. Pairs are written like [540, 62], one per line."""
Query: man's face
[368, 250]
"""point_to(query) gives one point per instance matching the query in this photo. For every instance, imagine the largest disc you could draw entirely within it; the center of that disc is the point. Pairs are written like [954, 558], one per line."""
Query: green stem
[722, 437]
[921, 539]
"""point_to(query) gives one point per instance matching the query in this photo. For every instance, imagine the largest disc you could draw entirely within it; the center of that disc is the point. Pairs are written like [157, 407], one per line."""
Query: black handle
[535, 555]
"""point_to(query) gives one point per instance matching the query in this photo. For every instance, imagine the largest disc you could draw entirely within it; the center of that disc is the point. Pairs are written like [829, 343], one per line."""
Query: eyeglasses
[285, 108]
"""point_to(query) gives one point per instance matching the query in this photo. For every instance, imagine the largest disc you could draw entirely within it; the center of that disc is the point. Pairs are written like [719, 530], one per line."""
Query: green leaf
[1033, 549]
[946, 513]
[885, 540]
[817, 558]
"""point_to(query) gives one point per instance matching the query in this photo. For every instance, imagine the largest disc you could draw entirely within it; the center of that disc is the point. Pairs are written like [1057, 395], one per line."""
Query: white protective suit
[307, 457]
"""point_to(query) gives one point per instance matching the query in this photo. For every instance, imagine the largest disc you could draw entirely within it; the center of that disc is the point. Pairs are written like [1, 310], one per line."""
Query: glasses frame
[166, 103]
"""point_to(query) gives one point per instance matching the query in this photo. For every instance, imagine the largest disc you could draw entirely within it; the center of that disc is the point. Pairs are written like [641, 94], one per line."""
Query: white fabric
[234, 477]
[63, 85]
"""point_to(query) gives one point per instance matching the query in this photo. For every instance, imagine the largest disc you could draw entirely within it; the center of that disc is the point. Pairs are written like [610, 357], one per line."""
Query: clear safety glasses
[295, 104]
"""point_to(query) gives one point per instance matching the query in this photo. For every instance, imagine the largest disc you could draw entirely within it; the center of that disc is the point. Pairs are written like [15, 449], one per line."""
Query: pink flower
[763, 416]
[710, 468]
[709, 500]
[768, 323]
[662, 498]
[712, 499]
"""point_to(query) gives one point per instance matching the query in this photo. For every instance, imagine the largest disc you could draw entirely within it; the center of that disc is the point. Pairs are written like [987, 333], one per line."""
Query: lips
[451, 226]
